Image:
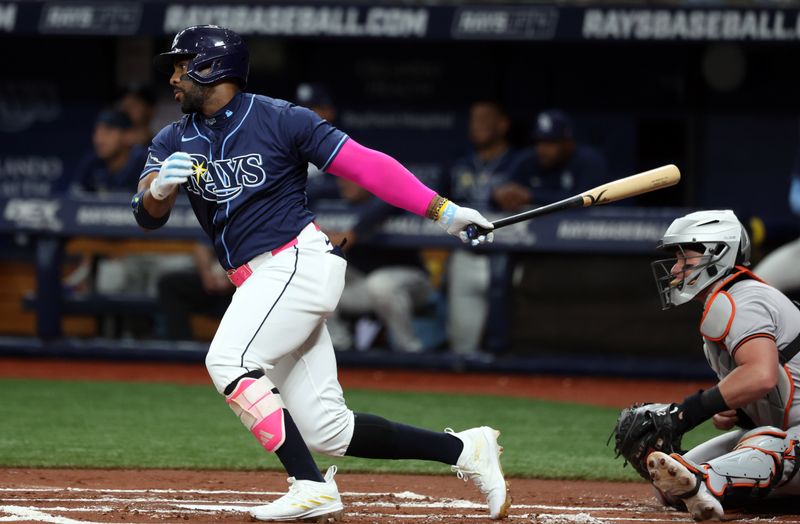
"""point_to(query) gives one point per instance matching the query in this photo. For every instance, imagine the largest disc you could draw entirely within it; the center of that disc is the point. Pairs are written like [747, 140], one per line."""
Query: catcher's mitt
[644, 428]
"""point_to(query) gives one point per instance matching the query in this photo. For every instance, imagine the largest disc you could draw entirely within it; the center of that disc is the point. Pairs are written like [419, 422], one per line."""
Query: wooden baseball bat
[658, 178]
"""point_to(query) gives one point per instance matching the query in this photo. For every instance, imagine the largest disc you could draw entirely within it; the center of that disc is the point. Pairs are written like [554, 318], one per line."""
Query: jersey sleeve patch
[162, 146]
[718, 317]
[153, 163]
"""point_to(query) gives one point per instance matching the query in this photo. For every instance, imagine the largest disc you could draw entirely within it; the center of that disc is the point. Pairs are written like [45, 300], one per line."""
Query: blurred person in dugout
[557, 166]
[113, 164]
[113, 167]
[201, 289]
[488, 179]
[781, 268]
[139, 103]
[387, 282]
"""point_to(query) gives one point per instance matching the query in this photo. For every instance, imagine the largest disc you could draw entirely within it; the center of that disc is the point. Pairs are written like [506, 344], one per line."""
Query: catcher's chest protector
[748, 309]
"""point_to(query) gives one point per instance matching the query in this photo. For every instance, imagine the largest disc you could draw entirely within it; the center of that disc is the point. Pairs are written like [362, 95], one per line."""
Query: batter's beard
[193, 99]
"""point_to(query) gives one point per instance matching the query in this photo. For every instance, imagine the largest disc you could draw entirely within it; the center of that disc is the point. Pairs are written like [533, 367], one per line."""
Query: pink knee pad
[260, 410]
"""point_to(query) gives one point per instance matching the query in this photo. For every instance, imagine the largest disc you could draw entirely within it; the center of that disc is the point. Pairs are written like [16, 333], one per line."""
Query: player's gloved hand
[175, 170]
[644, 428]
[454, 219]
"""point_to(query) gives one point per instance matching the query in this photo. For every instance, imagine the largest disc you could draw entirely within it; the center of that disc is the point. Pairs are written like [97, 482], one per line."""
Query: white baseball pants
[276, 323]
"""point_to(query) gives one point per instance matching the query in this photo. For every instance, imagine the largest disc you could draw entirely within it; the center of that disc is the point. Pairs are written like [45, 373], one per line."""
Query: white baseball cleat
[675, 479]
[306, 501]
[480, 461]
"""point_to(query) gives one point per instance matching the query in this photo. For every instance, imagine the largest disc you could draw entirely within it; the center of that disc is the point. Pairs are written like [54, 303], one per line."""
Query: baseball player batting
[242, 160]
[751, 338]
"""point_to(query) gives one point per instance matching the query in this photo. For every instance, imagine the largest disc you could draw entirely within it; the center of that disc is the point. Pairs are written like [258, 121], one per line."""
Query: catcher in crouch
[750, 339]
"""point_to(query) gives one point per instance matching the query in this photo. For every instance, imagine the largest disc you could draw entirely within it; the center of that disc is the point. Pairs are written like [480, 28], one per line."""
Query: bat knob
[473, 231]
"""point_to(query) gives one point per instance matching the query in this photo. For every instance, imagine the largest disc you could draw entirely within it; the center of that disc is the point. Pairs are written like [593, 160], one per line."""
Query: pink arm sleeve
[383, 176]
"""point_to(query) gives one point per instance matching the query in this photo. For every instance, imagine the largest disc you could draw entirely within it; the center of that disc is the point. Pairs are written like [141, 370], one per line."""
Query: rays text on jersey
[224, 180]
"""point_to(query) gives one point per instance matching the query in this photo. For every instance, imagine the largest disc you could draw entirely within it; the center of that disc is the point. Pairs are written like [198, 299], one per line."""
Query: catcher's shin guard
[755, 467]
[257, 403]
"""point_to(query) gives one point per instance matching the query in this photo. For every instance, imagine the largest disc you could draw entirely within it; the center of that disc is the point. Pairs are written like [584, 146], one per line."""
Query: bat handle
[473, 231]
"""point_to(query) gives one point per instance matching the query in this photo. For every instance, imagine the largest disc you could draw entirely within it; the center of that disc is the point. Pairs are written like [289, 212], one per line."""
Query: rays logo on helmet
[224, 180]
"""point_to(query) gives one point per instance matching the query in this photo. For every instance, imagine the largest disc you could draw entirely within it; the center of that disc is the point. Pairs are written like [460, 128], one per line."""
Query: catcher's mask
[718, 241]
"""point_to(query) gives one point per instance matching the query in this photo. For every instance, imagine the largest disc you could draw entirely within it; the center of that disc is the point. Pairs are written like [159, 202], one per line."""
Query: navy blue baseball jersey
[585, 169]
[92, 175]
[250, 170]
[473, 180]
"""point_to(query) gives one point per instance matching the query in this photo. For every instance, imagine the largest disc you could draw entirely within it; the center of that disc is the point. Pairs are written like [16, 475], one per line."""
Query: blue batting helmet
[214, 53]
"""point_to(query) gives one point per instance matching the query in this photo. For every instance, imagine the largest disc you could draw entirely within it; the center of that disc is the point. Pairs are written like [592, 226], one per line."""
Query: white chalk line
[31, 513]
[19, 513]
[216, 508]
[245, 505]
[442, 503]
[401, 495]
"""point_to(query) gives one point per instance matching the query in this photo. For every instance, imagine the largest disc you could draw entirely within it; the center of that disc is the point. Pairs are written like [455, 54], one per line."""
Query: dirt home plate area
[68, 496]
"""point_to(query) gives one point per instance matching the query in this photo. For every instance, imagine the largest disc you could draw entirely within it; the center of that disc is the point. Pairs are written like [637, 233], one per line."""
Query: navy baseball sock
[376, 437]
[294, 454]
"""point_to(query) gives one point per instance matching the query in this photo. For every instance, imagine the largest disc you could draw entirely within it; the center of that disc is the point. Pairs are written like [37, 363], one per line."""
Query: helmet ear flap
[718, 249]
[743, 254]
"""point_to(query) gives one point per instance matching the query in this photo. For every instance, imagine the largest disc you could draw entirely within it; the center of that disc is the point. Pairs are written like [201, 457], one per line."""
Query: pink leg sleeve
[383, 176]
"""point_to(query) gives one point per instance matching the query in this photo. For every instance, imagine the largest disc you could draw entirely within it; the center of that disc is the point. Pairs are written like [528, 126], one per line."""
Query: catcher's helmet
[215, 53]
[722, 242]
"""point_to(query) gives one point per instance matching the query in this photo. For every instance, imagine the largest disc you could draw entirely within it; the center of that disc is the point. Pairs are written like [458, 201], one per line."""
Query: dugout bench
[52, 222]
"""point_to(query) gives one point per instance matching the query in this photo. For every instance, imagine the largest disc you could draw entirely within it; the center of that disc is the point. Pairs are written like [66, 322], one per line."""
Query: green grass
[122, 425]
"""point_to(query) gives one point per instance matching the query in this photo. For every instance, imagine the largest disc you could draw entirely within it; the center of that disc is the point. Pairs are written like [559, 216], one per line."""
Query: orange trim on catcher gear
[789, 401]
[725, 486]
[730, 320]
[741, 271]
[778, 434]
[775, 456]
[688, 466]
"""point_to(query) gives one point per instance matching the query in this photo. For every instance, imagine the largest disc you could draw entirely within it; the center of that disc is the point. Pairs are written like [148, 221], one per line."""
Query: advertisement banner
[407, 21]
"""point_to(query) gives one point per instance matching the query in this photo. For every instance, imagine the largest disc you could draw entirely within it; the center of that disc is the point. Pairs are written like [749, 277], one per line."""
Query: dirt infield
[70, 496]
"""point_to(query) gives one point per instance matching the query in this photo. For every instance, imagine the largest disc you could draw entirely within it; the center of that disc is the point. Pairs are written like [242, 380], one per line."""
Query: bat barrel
[658, 178]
